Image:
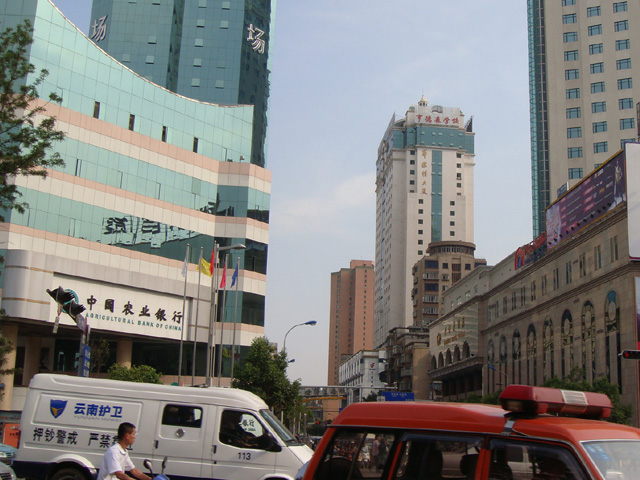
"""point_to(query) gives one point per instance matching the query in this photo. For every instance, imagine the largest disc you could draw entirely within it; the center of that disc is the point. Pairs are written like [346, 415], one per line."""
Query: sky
[339, 71]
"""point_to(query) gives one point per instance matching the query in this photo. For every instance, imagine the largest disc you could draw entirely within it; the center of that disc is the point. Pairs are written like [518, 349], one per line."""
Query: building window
[164, 133]
[623, 44]
[595, 48]
[556, 278]
[568, 273]
[627, 123]
[625, 103]
[452, 213]
[574, 132]
[195, 82]
[613, 248]
[575, 173]
[596, 67]
[573, 93]
[195, 144]
[224, 24]
[571, 55]
[574, 152]
[597, 87]
[619, 7]
[150, 59]
[600, 147]
[597, 257]
[623, 64]
[583, 264]
[599, 127]
[533, 291]
[96, 110]
[624, 141]
[569, 37]
[566, 3]
[593, 12]
[571, 74]
[543, 285]
[569, 18]
[594, 30]
[597, 107]
[420, 221]
[420, 232]
[573, 112]
[621, 26]
[199, 42]
[200, 23]
[152, 39]
[132, 121]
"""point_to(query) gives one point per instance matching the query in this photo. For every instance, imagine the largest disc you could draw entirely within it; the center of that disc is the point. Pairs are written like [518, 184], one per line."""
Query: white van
[69, 422]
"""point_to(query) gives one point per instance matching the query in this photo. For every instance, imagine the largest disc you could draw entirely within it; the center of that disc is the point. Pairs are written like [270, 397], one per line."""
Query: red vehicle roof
[477, 418]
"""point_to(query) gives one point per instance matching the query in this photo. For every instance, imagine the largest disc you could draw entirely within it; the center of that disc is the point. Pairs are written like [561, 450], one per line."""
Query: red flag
[213, 259]
[223, 282]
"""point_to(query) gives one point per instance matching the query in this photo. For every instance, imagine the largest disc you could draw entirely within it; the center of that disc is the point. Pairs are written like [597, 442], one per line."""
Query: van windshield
[285, 435]
[615, 458]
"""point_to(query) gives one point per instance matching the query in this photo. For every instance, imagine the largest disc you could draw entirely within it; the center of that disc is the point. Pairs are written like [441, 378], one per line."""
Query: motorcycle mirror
[147, 465]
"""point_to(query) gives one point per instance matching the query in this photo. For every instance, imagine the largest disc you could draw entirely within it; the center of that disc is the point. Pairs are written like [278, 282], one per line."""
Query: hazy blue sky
[340, 69]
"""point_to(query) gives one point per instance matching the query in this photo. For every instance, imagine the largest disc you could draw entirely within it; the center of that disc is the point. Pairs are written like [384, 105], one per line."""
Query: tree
[26, 132]
[263, 372]
[139, 374]
[6, 347]
[99, 354]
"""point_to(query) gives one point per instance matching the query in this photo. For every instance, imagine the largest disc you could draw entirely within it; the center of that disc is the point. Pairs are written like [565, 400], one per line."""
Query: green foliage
[489, 399]
[576, 381]
[99, 354]
[140, 374]
[6, 347]
[263, 372]
[26, 133]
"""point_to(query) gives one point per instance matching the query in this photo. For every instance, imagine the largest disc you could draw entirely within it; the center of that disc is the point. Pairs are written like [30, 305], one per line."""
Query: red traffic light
[631, 354]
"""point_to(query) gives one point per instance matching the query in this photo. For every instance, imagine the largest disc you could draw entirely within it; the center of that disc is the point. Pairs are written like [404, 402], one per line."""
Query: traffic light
[631, 354]
[68, 301]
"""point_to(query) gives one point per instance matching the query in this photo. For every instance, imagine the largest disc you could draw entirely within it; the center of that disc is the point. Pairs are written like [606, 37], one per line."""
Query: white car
[6, 473]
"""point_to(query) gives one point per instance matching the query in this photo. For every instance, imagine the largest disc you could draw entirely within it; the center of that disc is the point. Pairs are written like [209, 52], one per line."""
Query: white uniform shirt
[116, 459]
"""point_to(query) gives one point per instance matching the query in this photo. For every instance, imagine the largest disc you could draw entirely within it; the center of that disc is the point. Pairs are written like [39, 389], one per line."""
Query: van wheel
[69, 473]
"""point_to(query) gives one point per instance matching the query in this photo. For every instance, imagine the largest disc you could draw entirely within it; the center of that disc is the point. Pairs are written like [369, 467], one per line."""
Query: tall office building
[212, 50]
[583, 80]
[424, 194]
[113, 224]
[351, 314]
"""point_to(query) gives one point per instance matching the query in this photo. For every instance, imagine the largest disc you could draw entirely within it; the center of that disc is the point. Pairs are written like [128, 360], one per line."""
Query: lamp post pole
[506, 377]
[284, 343]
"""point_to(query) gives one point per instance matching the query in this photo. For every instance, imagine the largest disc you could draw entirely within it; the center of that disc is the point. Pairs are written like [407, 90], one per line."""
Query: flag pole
[185, 273]
[195, 327]
[212, 315]
[235, 319]
[224, 298]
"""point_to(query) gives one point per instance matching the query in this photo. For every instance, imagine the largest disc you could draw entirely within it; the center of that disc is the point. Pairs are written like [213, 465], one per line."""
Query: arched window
[516, 349]
[448, 357]
[589, 341]
[612, 337]
[567, 344]
[434, 363]
[466, 350]
[547, 349]
[440, 360]
[491, 363]
[532, 351]
[456, 354]
[502, 354]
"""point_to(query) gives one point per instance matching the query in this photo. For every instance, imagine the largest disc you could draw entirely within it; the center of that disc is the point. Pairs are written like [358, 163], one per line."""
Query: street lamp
[212, 317]
[284, 343]
[506, 377]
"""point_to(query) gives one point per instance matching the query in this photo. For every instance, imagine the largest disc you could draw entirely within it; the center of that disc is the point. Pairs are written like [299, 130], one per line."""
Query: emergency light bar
[537, 400]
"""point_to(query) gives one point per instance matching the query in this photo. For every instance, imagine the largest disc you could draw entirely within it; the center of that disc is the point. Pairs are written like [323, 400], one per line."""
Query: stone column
[123, 353]
[31, 359]
[10, 332]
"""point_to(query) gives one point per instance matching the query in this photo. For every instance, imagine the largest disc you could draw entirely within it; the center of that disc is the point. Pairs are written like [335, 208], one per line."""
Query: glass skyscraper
[213, 51]
[145, 176]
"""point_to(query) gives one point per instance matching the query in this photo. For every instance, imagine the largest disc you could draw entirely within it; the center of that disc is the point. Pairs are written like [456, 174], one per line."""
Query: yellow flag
[205, 267]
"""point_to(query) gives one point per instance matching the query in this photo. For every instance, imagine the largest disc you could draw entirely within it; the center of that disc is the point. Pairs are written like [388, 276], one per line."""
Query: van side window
[435, 458]
[532, 461]
[242, 430]
[182, 416]
[356, 455]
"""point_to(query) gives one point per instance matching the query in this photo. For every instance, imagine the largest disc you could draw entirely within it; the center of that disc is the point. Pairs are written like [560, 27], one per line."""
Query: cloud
[337, 210]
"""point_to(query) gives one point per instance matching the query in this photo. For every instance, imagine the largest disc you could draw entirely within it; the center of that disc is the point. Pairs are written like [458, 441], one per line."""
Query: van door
[238, 450]
[181, 437]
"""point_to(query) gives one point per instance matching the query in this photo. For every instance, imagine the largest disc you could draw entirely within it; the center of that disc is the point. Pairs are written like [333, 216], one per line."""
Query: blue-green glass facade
[538, 113]
[211, 50]
[84, 76]
[431, 136]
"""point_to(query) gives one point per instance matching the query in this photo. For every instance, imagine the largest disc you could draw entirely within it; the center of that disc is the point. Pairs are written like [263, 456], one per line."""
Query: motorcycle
[161, 475]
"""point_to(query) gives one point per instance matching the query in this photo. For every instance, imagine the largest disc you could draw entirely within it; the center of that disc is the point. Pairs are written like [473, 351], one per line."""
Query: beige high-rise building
[351, 314]
[584, 84]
